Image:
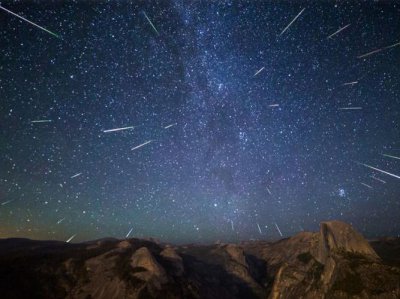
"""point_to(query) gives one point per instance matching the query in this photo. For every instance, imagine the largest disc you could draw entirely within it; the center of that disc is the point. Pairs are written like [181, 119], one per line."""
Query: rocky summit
[336, 262]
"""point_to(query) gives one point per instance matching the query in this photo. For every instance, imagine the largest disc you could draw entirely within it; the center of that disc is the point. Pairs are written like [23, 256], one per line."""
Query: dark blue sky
[245, 153]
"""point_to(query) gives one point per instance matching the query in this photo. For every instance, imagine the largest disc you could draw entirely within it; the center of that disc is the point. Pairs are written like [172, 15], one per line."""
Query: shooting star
[118, 129]
[233, 228]
[7, 202]
[269, 191]
[76, 175]
[61, 220]
[339, 30]
[378, 179]
[30, 22]
[140, 145]
[259, 71]
[151, 23]
[169, 126]
[380, 170]
[41, 121]
[350, 108]
[295, 18]
[394, 157]
[350, 83]
[70, 239]
[127, 235]
[259, 229]
[379, 50]
[277, 227]
[273, 105]
[368, 186]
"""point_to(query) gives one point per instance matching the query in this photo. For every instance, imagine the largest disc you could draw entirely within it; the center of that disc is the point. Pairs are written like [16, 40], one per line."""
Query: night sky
[236, 126]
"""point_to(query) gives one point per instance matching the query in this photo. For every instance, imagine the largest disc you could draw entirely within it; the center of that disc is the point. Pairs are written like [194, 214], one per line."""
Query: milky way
[197, 121]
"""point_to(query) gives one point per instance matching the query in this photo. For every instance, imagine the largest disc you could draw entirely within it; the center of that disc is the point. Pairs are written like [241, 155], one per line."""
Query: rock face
[146, 268]
[337, 236]
[169, 254]
[336, 262]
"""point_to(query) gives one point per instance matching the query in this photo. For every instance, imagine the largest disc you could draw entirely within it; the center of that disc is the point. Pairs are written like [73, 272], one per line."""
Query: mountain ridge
[336, 262]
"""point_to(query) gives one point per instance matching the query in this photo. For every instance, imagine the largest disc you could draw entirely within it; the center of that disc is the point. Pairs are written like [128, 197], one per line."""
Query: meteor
[127, 235]
[273, 105]
[118, 129]
[41, 121]
[295, 18]
[394, 157]
[7, 202]
[350, 83]
[277, 227]
[378, 179]
[350, 108]
[70, 239]
[76, 175]
[61, 220]
[151, 23]
[380, 170]
[269, 191]
[339, 30]
[169, 126]
[140, 145]
[259, 71]
[34, 24]
[233, 228]
[379, 50]
[259, 229]
[368, 186]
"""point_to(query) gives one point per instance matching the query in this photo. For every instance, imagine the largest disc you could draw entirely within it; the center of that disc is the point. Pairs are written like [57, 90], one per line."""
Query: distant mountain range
[336, 262]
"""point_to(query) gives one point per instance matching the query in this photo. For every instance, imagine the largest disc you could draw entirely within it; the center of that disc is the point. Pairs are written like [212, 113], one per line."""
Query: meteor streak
[127, 235]
[378, 179]
[169, 126]
[380, 170]
[76, 175]
[34, 24]
[61, 220]
[339, 30]
[140, 145]
[379, 50]
[368, 186]
[295, 18]
[259, 229]
[7, 202]
[350, 108]
[70, 239]
[277, 227]
[350, 83]
[41, 121]
[118, 129]
[259, 71]
[151, 23]
[394, 157]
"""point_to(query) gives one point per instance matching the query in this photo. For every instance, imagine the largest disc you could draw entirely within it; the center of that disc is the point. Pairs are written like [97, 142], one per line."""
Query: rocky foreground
[336, 262]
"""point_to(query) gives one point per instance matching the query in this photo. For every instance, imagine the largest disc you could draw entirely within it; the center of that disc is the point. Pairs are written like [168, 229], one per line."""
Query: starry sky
[237, 127]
